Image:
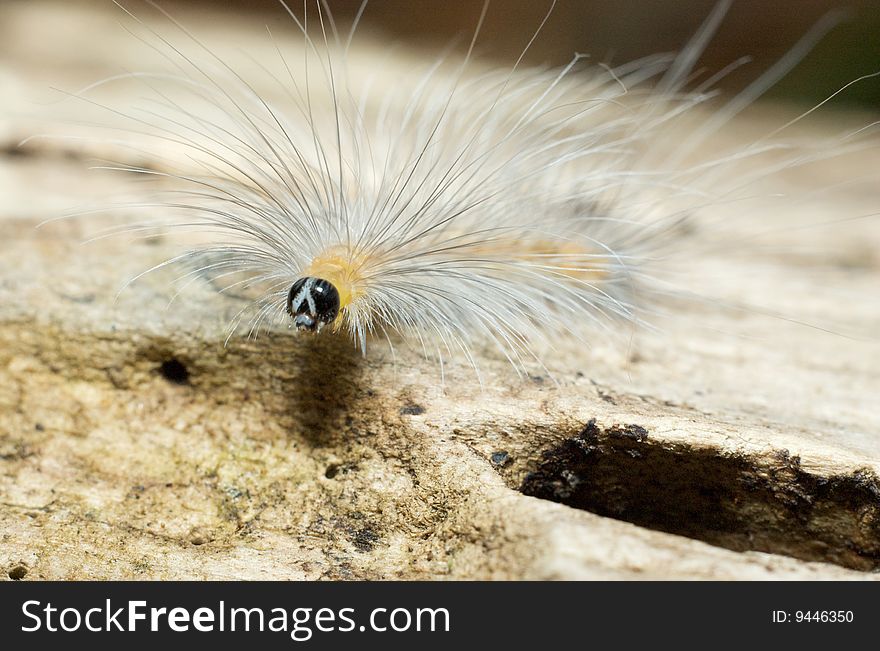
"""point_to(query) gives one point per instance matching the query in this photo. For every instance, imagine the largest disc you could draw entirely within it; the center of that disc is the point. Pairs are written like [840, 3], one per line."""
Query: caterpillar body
[454, 206]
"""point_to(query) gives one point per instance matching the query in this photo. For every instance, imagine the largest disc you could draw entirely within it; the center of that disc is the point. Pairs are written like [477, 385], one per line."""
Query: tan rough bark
[133, 444]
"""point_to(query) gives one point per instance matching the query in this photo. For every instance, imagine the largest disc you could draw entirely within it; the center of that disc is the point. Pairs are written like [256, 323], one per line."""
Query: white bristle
[462, 204]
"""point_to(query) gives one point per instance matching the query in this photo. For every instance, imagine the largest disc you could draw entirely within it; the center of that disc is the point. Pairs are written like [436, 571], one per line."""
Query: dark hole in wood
[17, 573]
[174, 371]
[737, 502]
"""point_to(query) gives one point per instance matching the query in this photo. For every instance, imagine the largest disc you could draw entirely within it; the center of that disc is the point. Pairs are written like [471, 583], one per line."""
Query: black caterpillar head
[313, 303]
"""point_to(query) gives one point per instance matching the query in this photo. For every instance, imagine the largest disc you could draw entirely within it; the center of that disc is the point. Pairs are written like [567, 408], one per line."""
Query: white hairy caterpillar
[514, 206]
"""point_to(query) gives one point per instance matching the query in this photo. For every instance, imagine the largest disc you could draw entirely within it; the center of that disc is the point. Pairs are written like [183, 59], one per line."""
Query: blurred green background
[617, 31]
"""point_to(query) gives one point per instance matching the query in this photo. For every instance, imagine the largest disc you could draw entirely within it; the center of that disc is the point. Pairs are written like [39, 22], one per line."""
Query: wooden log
[135, 444]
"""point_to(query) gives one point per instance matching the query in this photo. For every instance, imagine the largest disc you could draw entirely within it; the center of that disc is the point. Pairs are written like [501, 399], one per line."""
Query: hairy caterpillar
[459, 206]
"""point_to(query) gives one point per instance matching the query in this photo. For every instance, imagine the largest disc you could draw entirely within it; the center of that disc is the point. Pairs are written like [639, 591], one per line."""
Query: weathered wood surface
[133, 444]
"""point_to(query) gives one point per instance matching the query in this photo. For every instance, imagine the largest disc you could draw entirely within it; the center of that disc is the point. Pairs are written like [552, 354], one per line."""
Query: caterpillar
[460, 204]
